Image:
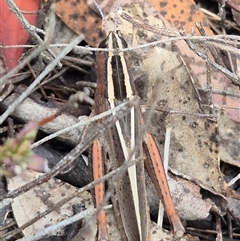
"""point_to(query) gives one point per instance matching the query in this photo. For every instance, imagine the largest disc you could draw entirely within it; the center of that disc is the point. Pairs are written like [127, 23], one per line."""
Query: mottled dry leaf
[78, 16]
[194, 144]
[230, 140]
[40, 198]
[89, 230]
[197, 68]
[158, 233]
[86, 233]
[83, 17]
[186, 198]
[182, 14]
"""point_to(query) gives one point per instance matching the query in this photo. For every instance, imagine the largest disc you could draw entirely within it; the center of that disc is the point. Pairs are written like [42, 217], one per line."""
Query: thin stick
[74, 153]
[82, 123]
[219, 41]
[48, 69]
[31, 29]
[46, 232]
[234, 180]
[34, 53]
[115, 173]
[102, 15]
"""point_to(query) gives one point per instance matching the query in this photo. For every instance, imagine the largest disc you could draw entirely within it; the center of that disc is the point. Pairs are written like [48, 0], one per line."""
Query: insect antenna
[102, 16]
[116, 14]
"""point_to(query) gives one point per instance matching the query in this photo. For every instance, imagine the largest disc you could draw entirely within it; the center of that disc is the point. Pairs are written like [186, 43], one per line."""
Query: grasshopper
[120, 143]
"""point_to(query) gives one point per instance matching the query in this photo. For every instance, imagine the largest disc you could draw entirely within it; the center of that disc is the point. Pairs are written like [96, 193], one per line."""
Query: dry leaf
[40, 198]
[182, 14]
[158, 233]
[186, 198]
[78, 16]
[89, 230]
[229, 132]
[194, 149]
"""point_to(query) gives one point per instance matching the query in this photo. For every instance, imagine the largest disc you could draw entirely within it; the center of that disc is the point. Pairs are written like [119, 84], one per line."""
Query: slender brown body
[114, 86]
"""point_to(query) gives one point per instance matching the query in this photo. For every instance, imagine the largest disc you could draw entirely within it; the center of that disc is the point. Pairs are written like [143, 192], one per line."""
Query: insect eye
[103, 44]
[124, 43]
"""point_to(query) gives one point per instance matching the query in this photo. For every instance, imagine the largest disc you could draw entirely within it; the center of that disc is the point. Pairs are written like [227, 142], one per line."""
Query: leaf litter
[199, 160]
